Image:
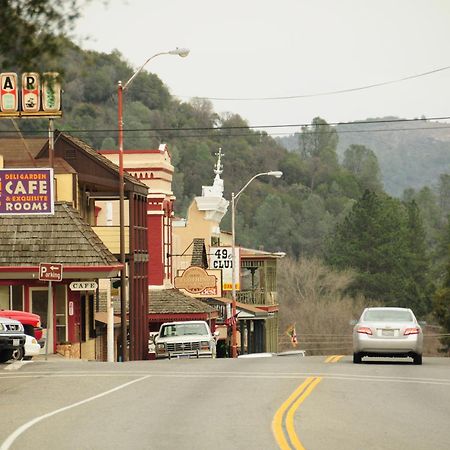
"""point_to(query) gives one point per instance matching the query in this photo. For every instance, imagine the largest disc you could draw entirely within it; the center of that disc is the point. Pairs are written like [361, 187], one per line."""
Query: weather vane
[219, 168]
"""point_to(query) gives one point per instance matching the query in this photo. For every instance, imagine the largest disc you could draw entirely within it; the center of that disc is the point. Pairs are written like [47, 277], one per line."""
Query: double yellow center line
[283, 421]
[334, 358]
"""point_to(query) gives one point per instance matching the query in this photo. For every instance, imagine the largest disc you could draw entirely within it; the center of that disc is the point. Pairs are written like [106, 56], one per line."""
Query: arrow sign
[50, 272]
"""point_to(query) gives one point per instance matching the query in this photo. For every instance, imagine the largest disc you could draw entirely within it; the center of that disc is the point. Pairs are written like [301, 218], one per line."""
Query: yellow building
[257, 303]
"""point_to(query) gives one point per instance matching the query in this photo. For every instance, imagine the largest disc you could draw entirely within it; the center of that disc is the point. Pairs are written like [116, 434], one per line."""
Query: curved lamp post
[234, 199]
[120, 88]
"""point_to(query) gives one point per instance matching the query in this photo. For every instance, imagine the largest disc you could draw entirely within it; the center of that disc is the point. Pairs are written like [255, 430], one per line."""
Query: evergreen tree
[419, 289]
[384, 241]
[441, 309]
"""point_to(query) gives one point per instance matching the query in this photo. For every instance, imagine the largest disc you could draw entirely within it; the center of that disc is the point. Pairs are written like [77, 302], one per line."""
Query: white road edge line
[13, 436]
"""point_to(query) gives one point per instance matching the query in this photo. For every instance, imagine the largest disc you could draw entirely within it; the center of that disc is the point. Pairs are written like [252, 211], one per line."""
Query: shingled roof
[172, 301]
[62, 238]
[92, 154]
[19, 149]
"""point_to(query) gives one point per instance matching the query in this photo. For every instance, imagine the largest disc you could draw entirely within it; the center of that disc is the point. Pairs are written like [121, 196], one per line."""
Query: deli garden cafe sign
[34, 97]
[26, 191]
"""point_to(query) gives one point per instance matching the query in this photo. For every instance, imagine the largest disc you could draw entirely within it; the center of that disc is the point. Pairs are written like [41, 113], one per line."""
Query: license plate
[16, 342]
[387, 332]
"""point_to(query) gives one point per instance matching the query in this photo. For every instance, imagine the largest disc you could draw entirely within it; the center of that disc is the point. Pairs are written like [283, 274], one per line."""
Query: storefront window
[4, 297]
[17, 298]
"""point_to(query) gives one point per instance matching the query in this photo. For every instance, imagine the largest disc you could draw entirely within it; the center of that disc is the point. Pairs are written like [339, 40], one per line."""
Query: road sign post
[50, 272]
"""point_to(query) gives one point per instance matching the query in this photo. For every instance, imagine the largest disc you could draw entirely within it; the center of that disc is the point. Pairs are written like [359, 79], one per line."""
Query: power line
[251, 127]
[322, 94]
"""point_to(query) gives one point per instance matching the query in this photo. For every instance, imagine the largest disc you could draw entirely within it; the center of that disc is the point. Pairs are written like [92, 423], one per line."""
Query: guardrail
[323, 344]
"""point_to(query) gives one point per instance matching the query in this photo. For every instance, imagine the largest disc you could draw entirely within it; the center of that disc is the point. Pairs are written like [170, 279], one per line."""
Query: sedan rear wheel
[417, 359]
[357, 358]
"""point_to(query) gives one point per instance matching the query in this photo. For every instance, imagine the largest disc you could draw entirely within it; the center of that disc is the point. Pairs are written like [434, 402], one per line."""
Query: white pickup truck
[12, 338]
[185, 339]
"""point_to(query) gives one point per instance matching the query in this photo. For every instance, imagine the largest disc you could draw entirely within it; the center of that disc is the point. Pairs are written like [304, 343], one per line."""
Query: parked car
[387, 332]
[30, 349]
[151, 344]
[31, 322]
[185, 339]
[12, 338]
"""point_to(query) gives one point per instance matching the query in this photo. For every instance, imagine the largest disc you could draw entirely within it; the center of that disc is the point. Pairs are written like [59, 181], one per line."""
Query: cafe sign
[26, 191]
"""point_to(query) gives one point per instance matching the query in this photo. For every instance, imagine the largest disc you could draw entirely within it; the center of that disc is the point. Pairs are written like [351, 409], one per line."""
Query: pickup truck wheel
[18, 354]
[5, 355]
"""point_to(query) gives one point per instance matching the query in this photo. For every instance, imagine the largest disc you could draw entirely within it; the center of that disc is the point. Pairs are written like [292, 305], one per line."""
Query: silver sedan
[391, 332]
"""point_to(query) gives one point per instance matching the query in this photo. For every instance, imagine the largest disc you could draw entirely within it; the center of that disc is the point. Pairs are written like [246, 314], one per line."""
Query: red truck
[31, 322]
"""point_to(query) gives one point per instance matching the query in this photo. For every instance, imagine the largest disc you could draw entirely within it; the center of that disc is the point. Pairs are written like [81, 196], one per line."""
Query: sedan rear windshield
[387, 315]
[184, 329]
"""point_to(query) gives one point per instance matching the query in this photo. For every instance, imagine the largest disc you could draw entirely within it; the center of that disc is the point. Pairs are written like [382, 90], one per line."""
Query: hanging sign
[31, 92]
[199, 282]
[34, 98]
[221, 258]
[51, 93]
[83, 286]
[9, 103]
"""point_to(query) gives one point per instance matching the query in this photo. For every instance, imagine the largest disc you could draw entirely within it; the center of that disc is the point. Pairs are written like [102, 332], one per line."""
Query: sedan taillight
[409, 331]
[364, 330]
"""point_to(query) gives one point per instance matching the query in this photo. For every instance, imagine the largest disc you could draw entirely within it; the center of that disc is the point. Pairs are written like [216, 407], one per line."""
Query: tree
[441, 309]
[444, 194]
[363, 163]
[378, 238]
[318, 144]
[273, 224]
[307, 288]
[314, 224]
[31, 30]
[419, 289]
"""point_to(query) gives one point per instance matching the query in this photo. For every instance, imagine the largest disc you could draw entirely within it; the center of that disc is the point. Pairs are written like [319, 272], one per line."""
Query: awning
[103, 318]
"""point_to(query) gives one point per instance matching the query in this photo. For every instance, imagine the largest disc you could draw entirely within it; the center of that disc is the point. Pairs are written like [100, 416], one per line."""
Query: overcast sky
[267, 48]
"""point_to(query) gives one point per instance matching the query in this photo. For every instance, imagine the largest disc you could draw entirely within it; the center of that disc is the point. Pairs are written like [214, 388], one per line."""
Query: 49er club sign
[33, 98]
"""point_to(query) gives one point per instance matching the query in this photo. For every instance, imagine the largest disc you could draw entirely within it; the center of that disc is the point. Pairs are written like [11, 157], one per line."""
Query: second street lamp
[123, 290]
[234, 199]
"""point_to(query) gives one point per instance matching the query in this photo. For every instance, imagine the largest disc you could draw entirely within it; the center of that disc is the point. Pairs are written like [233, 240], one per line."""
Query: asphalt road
[315, 403]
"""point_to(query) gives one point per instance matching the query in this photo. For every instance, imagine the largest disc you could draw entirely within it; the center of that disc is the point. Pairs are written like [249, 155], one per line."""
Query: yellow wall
[111, 238]
[64, 187]
[197, 227]
[156, 163]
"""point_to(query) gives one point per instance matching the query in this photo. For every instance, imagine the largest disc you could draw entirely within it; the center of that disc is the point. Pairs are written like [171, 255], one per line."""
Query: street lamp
[234, 199]
[120, 88]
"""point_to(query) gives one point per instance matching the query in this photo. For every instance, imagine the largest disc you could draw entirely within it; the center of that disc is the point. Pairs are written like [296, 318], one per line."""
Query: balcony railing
[257, 297]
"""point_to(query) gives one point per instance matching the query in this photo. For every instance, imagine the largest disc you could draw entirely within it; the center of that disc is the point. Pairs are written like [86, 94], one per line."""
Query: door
[39, 304]
[74, 319]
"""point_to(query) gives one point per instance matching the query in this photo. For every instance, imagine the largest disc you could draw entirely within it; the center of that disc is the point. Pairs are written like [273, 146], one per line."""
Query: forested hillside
[410, 154]
[331, 191]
